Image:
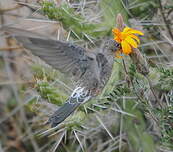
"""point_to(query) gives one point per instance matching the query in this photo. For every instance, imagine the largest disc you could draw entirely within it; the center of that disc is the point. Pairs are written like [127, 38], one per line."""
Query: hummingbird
[90, 70]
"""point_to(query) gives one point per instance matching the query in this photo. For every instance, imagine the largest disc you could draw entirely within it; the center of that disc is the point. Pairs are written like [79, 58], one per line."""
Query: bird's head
[111, 47]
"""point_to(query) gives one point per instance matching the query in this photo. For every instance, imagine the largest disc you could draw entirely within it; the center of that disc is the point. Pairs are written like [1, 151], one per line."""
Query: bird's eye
[117, 45]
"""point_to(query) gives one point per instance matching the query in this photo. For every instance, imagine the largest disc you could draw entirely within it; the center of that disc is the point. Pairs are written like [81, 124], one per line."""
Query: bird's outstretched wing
[63, 56]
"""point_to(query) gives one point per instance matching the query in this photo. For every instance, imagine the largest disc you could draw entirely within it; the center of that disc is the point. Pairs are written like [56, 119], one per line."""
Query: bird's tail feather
[77, 97]
[62, 113]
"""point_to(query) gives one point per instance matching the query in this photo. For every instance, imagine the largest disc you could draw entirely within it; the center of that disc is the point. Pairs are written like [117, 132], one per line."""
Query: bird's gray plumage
[90, 70]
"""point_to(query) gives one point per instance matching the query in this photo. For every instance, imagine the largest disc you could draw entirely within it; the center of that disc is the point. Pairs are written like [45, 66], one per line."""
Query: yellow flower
[127, 39]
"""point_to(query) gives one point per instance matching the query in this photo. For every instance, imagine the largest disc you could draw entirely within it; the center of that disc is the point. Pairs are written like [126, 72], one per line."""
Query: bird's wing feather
[65, 57]
[104, 68]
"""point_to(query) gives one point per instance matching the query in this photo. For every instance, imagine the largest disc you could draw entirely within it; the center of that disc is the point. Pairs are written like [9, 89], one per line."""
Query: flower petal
[131, 41]
[117, 39]
[126, 48]
[132, 31]
[116, 31]
[135, 37]
[126, 29]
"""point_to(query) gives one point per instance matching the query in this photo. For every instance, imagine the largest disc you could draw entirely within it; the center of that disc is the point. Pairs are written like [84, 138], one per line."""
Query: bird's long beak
[118, 53]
